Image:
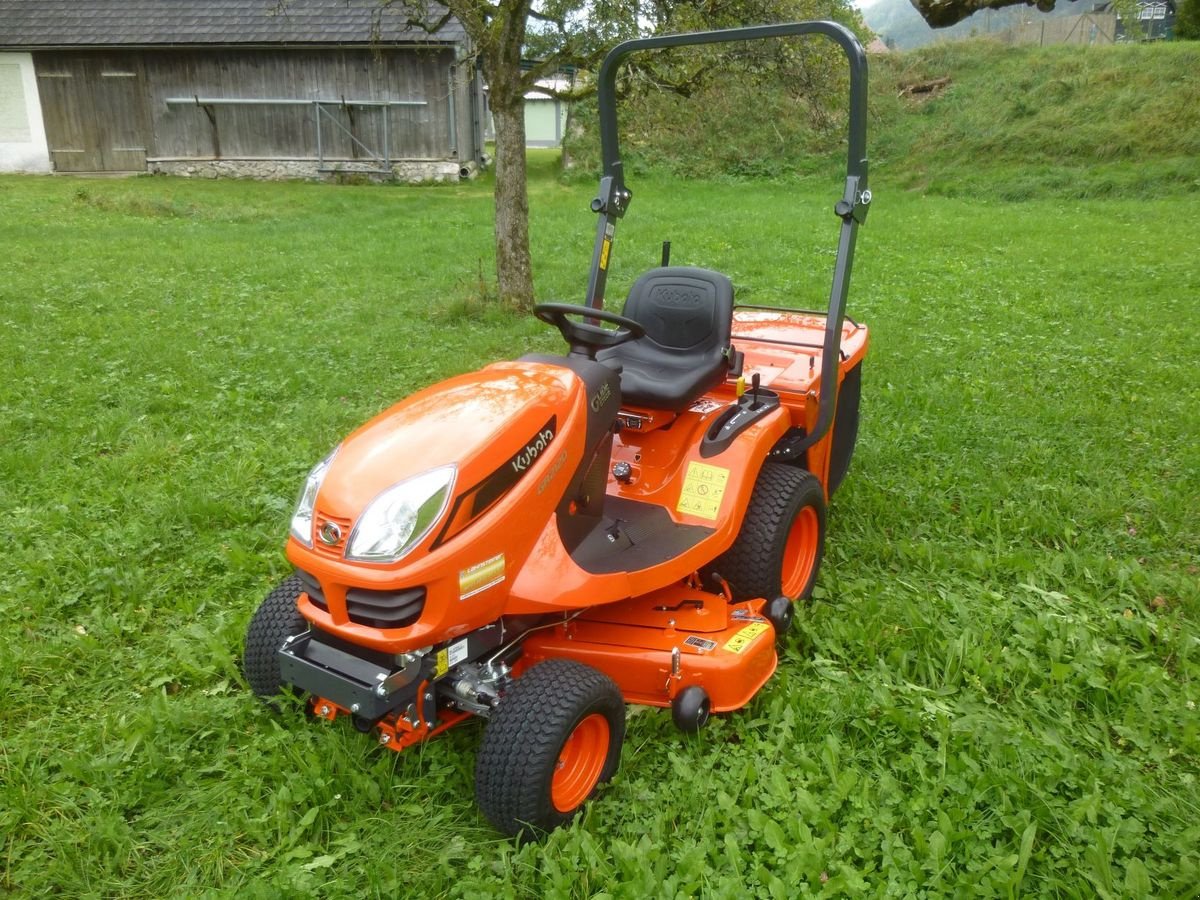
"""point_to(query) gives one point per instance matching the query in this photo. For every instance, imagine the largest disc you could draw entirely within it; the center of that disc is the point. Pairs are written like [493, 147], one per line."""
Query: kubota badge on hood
[476, 500]
[525, 458]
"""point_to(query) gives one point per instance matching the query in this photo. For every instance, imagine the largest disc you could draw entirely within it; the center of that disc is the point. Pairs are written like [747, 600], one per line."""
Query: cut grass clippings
[993, 693]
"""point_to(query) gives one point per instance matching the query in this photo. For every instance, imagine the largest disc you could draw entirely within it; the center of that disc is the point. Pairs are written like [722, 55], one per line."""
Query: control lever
[754, 381]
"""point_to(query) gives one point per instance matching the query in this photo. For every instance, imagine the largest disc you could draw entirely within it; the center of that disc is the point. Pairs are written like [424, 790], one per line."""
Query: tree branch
[941, 13]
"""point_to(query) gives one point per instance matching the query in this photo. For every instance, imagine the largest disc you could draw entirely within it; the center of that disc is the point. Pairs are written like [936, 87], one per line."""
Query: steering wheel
[584, 338]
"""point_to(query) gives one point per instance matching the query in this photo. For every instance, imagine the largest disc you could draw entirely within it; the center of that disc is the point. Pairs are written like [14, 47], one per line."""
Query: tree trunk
[514, 269]
[500, 53]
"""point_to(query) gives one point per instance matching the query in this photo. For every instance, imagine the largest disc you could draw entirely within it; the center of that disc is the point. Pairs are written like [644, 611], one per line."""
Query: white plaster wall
[22, 132]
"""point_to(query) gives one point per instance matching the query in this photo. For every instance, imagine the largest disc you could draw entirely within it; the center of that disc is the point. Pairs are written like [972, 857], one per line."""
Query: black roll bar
[613, 199]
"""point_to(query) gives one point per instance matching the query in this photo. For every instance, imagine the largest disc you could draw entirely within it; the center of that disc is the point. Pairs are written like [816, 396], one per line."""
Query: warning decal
[701, 644]
[745, 637]
[703, 488]
[456, 653]
[448, 657]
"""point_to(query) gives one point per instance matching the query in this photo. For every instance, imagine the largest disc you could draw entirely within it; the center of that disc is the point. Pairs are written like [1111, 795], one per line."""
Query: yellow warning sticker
[480, 576]
[604, 248]
[443, 663]
[745, 637]
[703, 489]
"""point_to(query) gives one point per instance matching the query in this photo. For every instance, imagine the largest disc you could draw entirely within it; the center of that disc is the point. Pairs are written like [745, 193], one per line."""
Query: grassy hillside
[1035, 121]
[1041, 121]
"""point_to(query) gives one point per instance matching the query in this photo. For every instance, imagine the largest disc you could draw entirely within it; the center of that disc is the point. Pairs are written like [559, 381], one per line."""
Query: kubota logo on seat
[677, 295]
[533, 450]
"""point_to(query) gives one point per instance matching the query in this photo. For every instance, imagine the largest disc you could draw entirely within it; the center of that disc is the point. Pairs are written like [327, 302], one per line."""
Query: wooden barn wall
[418, 132]
[107, 110]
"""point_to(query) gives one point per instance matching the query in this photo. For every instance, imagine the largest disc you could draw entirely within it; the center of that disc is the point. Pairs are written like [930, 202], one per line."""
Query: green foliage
[994, 692]
[756, 109]
[1014, 122]
[1187, 20]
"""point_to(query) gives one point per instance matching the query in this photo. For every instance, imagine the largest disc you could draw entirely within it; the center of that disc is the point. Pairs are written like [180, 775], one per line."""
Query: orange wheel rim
[800, 551]
[580, 763]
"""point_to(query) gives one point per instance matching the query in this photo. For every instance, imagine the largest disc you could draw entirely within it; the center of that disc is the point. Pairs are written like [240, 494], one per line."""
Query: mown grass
[993, 693]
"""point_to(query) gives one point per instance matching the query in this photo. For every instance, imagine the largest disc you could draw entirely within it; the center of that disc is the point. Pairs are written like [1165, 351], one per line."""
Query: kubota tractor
[547, 539]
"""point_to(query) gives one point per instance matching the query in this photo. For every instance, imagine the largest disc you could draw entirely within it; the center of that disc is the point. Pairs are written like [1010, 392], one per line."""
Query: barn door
[94, 110]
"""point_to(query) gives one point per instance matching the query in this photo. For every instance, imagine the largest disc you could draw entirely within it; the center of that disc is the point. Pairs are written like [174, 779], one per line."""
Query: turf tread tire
[525, 735]
[753, 565]
[276, 619]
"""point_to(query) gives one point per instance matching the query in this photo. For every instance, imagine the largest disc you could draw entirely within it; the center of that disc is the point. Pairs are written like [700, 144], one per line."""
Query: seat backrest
[688, 317]
[683, 309]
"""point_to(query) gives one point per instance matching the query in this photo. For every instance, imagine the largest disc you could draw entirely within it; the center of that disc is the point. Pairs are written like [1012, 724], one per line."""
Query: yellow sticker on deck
[745, 637]
[443, 663]
[703, 490]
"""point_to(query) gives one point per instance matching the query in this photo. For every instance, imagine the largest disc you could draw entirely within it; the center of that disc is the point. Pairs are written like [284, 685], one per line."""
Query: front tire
[779, 548]
[276, 619]
[553, 739]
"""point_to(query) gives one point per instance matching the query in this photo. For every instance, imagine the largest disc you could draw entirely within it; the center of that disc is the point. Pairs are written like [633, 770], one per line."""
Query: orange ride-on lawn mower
[545, 540]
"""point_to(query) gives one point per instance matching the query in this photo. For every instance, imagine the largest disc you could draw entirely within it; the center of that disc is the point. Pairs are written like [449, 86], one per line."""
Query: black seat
[688, 316]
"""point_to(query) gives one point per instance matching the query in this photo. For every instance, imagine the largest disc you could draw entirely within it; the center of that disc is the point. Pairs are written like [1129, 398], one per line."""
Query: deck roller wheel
[779, 613]
[690, 709]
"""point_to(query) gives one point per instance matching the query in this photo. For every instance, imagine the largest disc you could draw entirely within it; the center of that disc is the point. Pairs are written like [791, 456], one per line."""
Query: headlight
[399, 518]
[302, 519]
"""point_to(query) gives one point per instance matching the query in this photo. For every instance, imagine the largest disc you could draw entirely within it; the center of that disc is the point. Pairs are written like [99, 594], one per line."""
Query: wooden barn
[248, 88]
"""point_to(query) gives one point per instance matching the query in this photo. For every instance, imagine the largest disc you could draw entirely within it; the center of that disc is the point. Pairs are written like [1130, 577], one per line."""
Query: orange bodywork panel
[784, 349]
[484, 422]
[667, 471]
[504, 554]
[729, 650]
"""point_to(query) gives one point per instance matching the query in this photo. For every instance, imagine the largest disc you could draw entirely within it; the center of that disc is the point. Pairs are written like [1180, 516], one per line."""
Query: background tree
[577, 33]
[1187, 20]
[552, 33]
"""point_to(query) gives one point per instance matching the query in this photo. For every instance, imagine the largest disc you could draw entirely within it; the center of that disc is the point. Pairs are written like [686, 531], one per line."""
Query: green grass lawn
[993, 693]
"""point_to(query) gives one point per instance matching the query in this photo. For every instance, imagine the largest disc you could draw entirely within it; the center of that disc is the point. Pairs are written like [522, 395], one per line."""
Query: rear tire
[553, 739]
[782, 540]
[275, 620]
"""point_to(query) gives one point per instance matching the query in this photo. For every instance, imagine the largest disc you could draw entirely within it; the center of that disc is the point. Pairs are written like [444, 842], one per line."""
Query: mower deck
[652, 646]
